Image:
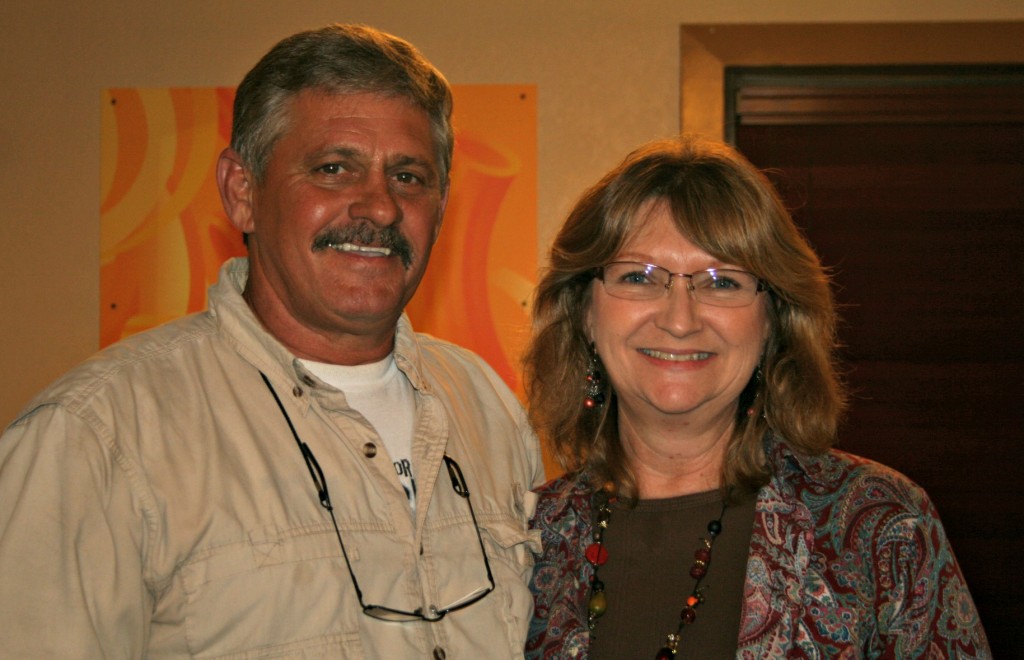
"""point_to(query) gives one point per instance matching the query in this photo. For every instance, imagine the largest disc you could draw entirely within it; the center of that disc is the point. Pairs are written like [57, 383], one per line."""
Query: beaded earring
[595, 396]
[756, 381]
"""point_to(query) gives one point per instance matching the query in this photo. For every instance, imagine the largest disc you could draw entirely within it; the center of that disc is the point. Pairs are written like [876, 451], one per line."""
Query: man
[228, 485]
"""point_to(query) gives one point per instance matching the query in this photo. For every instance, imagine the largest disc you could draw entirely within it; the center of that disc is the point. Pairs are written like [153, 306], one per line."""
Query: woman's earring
[758, 378]
[595, 396]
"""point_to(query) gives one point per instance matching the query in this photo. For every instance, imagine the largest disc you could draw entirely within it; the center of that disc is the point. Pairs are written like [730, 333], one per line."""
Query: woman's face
[673, 357]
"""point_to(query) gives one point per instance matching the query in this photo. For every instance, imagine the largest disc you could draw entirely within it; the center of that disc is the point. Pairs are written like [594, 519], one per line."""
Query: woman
[682, 369]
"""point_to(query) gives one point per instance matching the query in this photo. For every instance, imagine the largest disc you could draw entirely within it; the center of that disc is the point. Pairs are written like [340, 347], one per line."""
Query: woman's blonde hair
[728, 208]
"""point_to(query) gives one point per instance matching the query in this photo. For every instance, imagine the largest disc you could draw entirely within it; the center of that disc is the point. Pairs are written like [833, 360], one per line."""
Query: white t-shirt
[384, 396]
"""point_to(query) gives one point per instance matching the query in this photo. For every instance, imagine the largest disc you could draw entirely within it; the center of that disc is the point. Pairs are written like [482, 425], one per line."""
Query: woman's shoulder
[838, 483]
[843, 488]
[567, 489]
[868, 478]
[841, 473]
[563, 501]
[883, 544]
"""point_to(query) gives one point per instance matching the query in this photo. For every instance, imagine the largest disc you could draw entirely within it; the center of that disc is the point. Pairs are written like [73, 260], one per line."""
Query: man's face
[341, 227]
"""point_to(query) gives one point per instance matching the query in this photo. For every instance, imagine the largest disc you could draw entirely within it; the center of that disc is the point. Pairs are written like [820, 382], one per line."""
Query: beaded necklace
[597, 555]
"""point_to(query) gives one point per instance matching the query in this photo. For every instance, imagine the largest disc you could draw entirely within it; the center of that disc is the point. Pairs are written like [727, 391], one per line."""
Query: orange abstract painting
[477, 288]
[163, 233]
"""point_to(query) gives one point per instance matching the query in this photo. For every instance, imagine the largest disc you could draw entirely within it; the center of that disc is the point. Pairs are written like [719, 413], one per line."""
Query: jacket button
[370, 450]
[439, 653]
[308, 380]
[296, 391]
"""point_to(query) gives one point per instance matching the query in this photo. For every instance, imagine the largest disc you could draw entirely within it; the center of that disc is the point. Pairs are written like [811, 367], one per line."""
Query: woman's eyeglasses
[383, 612]
[719, 287]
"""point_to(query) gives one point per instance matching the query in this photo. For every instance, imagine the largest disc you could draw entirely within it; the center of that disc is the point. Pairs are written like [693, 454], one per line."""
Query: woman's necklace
[597, 555]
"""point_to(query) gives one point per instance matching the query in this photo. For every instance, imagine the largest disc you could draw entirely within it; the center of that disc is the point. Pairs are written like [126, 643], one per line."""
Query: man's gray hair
[337, 59]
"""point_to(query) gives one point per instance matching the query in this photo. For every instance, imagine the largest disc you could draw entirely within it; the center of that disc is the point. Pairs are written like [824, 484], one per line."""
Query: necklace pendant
[596, 554]
[598, 603]
[668, 651]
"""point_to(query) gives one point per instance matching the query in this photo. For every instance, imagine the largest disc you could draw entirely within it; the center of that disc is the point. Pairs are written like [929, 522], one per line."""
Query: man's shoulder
[441, 359]
[144, 360]
[442, 351]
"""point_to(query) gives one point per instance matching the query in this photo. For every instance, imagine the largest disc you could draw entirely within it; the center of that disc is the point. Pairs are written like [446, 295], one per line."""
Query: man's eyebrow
[402, 160]
[339, 151]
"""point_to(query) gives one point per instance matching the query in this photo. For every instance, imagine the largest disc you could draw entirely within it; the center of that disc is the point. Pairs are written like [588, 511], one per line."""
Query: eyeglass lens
[725, 287]
[432, 614]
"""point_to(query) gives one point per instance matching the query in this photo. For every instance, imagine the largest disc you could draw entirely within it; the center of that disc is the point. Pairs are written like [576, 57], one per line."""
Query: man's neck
[345, 348]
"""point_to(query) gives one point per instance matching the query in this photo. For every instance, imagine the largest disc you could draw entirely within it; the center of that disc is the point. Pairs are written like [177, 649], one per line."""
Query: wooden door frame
[872, 94]
[706, 50]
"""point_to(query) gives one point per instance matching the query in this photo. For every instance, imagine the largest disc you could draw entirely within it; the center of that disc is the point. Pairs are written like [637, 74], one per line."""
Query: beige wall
[607, 72]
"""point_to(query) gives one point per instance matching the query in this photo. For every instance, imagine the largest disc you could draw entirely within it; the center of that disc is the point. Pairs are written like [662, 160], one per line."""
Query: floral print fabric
[848, 559]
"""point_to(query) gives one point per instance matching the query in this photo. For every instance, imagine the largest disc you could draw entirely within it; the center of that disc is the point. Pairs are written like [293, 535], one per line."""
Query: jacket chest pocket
[273, 595]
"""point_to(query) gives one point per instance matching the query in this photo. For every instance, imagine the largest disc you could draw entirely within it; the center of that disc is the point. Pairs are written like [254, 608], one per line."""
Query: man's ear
[234, 181]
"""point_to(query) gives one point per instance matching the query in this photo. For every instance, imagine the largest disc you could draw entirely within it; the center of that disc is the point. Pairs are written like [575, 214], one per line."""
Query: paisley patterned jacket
[848, 559]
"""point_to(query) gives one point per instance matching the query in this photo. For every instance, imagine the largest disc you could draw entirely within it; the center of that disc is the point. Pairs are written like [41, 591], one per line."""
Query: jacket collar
[786, 463]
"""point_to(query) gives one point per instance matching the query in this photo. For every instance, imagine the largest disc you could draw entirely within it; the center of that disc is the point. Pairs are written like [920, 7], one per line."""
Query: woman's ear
[234, 181]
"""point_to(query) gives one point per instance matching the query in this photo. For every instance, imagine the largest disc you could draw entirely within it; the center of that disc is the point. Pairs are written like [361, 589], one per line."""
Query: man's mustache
[368, 235]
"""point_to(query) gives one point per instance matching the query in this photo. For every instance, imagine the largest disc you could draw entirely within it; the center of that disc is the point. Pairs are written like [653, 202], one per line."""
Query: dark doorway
[909, 181]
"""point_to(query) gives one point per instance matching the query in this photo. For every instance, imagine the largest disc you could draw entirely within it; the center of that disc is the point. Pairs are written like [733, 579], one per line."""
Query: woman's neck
[673, 460]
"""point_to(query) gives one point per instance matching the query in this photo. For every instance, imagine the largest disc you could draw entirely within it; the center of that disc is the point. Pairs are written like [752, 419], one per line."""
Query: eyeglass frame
[381, 612]
[761, 284]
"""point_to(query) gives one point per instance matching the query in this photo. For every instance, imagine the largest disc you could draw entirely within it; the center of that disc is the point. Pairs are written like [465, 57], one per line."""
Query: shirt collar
[784, 460]
[263, 350]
